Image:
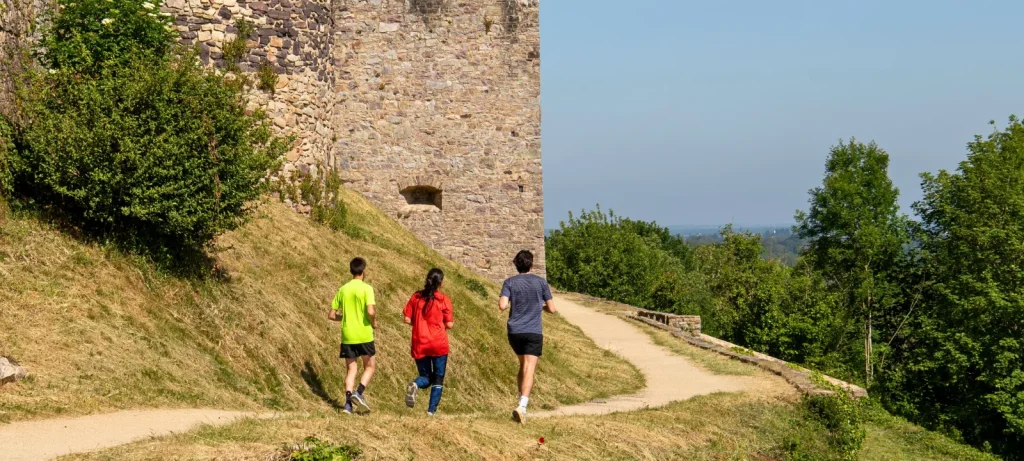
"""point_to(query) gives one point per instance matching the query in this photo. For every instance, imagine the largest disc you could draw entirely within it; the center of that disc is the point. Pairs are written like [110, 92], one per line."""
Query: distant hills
[779, 241]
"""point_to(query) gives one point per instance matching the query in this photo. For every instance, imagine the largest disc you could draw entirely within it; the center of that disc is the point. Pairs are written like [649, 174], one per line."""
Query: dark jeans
[431, 371]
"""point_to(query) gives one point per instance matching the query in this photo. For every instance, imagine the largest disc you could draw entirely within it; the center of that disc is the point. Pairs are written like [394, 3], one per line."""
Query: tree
[611, 257]
[854, 232]
[964, 361]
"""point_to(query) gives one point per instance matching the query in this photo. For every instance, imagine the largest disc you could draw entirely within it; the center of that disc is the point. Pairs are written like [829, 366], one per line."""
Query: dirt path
[670, 377]
[46, 439]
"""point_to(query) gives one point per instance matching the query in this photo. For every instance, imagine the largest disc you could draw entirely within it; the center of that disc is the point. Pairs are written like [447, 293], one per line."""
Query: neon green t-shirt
[351, 300]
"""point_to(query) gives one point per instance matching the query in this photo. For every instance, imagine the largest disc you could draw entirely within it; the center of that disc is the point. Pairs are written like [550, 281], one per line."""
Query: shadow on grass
[316, 385]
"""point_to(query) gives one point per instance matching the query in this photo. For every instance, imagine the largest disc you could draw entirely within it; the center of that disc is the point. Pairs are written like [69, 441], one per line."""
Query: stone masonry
[429, 108]
[438, 115]
[295, 37]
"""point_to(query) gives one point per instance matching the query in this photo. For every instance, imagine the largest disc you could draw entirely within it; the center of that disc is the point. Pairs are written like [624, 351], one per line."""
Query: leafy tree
[963, 361]
[607, 256]
[855, 234]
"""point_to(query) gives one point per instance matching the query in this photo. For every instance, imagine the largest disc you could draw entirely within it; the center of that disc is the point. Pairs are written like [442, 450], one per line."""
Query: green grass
[891, 437]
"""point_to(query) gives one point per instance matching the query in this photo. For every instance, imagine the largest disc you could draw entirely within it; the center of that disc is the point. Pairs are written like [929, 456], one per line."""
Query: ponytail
[434, 278]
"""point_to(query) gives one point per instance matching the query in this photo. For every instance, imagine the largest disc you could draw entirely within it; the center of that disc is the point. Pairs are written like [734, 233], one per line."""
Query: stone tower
[430, 108]
[437, 112]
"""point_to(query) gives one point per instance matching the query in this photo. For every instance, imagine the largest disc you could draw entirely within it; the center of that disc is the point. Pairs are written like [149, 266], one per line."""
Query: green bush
[132, 143]
[266, 77]
[314, 449]
[236, 48]
[88, 36]
[843, 418]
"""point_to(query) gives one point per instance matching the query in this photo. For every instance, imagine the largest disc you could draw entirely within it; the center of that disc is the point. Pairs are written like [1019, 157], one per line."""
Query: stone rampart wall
[292, 35]
[430, 108]
[438, 121]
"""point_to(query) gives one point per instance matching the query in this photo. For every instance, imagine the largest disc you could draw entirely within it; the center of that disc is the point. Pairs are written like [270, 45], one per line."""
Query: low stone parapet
[687, 323]
[800, 377]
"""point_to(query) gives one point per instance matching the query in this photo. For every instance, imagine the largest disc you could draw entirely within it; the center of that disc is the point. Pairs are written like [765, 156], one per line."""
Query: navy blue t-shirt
[527, 294]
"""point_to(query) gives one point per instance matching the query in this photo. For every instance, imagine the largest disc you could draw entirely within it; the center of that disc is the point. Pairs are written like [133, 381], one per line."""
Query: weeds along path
[670, 377]
[50, 438]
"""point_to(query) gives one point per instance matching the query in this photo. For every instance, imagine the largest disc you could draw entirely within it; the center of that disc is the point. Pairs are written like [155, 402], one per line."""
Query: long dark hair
[434, 278]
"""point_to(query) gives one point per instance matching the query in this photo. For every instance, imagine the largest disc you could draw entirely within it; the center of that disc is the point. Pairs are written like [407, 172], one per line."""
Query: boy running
[527, 295]
[430, 313]
[353, 306]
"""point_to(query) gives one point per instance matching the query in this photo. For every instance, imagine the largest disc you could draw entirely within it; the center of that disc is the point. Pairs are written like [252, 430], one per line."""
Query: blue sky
[713, 112]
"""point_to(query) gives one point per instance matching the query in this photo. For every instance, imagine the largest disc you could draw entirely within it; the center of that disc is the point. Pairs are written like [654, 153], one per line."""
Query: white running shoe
[519, 415]
[359, 400]
[410, 394]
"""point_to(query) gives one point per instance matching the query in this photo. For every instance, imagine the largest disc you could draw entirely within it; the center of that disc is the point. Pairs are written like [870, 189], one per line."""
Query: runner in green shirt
[353, 306]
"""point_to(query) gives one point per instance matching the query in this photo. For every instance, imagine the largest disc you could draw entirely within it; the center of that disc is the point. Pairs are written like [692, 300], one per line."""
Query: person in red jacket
[430, 313]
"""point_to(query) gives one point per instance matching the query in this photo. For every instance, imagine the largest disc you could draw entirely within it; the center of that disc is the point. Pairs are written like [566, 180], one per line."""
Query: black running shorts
[526, 343]
[354, 351]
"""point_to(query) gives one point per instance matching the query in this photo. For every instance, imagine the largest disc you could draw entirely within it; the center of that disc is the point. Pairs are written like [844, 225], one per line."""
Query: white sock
[523, 401]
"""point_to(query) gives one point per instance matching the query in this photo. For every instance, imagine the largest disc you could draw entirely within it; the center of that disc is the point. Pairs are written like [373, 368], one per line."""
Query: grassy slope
[101, 331]
[720, 426]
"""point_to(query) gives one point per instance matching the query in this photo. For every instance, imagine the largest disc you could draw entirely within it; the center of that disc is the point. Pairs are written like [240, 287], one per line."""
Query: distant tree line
[779, 244]
[928, 313]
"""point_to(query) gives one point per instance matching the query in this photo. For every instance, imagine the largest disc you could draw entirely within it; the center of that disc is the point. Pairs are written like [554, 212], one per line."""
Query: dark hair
[357, 266]
[523, 261]
[434, 278]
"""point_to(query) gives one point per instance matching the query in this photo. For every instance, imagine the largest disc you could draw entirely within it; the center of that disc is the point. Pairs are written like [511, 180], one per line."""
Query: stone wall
[430, 108]
[292, 35]
[19, 30]
[438, 120]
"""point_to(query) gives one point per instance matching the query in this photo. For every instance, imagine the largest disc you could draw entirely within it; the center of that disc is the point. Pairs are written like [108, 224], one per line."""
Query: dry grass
[102, 331]
[741, 429]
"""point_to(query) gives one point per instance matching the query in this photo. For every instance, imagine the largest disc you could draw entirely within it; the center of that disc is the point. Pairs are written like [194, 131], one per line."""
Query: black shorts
[526, 343]
[354, 351]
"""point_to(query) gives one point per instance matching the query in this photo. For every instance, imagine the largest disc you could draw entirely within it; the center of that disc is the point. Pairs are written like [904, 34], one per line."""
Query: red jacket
[429, 336]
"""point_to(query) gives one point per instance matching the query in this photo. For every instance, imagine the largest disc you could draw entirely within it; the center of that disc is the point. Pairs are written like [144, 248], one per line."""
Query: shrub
[266, 77]
[843, 418]
[160, 157]
[90, 35]
[236, 48]
[131, 140]
[326, 203]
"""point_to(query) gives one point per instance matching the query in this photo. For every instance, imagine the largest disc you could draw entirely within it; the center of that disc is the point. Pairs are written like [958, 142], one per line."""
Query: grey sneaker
[410, 394]
[347, 409]
[360, 401]
[519, 415]
[430, 414]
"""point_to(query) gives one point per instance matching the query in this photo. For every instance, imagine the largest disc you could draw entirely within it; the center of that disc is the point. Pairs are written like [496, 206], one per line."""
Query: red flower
[540, 440]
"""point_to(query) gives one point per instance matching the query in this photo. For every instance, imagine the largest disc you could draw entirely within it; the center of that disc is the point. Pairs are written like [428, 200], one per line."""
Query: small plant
[488, 23]
[742, 351]
[236, 48]
[476, 287]
[314, 449]
[266, 77]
